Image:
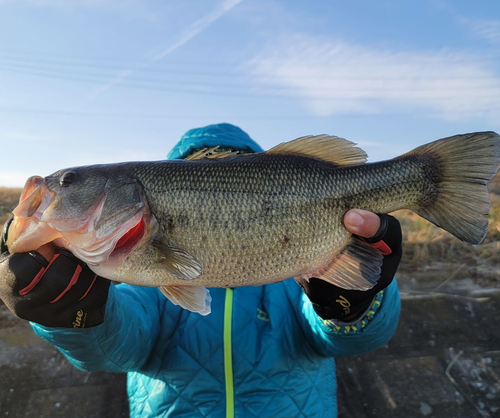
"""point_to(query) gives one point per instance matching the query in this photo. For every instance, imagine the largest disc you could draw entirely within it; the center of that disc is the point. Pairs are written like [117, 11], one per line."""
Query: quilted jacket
[262, 352]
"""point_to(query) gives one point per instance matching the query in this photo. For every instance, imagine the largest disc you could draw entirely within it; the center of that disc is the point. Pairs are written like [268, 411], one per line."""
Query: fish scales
[260, 219]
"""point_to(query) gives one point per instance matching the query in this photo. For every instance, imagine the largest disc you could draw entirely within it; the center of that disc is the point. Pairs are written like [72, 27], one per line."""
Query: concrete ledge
[444, 361]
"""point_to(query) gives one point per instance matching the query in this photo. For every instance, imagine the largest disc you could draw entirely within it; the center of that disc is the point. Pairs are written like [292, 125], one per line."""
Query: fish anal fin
[356, 267]
[177, 262]
[325, 147]
[193, 298]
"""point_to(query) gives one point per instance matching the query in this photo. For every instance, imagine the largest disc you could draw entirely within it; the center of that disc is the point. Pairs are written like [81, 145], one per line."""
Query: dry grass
[425, 242]
[432, 254]
[9, 198]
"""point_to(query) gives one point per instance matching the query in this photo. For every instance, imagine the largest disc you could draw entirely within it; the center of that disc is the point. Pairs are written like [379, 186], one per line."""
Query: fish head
[94, 211]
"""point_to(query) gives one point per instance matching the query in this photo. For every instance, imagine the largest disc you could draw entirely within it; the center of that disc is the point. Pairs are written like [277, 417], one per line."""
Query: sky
[102, 81]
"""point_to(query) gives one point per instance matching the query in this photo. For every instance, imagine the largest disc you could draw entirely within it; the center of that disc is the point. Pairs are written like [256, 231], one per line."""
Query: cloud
[129, 9]
[21, 136]
[488, 29]
[68, 4]
[334, 77]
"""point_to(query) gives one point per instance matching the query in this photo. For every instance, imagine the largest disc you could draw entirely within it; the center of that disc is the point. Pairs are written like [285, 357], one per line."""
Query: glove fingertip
[389, 232]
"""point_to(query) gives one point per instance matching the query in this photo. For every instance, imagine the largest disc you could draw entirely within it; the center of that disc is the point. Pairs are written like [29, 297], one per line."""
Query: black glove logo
[79, 322]
[346, 305]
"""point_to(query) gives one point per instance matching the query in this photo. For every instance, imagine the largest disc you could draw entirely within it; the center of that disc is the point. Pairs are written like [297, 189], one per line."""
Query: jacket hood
[222, 134]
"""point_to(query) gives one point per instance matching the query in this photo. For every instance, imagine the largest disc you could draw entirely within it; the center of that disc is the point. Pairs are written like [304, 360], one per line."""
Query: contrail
[198, 27]
[193, 30]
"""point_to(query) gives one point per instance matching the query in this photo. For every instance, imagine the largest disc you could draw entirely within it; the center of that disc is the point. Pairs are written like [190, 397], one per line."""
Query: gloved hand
[332, 302]
[61, 293]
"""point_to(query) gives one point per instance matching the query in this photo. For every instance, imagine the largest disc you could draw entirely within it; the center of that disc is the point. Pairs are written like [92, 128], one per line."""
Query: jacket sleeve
[372, 331]
[123, 342]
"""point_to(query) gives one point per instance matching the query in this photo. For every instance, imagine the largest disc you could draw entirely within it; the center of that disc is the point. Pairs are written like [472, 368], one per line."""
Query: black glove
[333, 302]
[61, 293]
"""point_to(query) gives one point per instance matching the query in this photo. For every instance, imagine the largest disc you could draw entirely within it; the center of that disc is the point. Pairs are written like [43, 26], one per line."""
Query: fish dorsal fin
[210, 153]
[325, 147]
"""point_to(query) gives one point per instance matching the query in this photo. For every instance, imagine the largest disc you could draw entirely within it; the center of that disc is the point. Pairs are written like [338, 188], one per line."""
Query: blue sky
[98, 81]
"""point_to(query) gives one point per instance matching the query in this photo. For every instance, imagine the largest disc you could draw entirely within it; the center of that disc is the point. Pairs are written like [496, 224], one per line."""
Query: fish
[253, 219]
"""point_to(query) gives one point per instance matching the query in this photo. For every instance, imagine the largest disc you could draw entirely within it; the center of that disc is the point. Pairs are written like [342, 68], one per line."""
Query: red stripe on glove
[37, 278]
[71, 283]
[382, 247]
[90, 287]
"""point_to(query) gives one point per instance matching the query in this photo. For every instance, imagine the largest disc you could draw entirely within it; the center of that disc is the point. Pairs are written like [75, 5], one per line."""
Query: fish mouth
[27, 231]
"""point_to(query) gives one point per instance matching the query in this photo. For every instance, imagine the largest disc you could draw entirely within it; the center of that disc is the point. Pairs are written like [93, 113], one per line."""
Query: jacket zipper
[228, 355]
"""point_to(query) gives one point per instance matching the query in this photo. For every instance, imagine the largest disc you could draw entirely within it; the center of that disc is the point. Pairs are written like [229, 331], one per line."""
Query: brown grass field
[430, 254]
[8, 201]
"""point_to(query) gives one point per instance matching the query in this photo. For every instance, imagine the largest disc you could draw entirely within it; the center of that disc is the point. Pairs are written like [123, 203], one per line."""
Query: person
[265, 351]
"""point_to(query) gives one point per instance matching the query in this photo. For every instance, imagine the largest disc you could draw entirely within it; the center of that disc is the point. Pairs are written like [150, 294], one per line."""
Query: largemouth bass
[251, 219]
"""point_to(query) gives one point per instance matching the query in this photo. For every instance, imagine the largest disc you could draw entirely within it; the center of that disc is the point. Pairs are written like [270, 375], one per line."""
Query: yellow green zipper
[228, 355]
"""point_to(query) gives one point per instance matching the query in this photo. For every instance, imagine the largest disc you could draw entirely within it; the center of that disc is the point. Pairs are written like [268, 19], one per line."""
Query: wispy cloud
[335, 77]
[488, 29]
[129, 9]
[67, 4]
[189, 33]
[21, 136]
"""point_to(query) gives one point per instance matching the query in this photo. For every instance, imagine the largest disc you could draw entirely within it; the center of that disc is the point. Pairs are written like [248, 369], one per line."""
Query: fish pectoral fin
[325, 147]
[356, 267]
[193, 298]
[177, 262]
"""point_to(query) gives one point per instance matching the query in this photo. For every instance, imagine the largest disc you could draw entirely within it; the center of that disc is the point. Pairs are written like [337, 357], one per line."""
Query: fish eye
[67, 178]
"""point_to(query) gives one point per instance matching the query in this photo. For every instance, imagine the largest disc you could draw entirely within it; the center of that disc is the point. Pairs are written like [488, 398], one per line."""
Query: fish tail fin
[457, 200]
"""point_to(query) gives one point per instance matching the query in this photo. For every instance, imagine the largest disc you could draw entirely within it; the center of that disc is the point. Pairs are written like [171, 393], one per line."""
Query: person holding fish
[207, 321]
[263, 350]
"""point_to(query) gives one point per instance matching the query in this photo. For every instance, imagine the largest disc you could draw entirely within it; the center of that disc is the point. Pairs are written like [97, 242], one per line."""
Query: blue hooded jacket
[262, 352]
